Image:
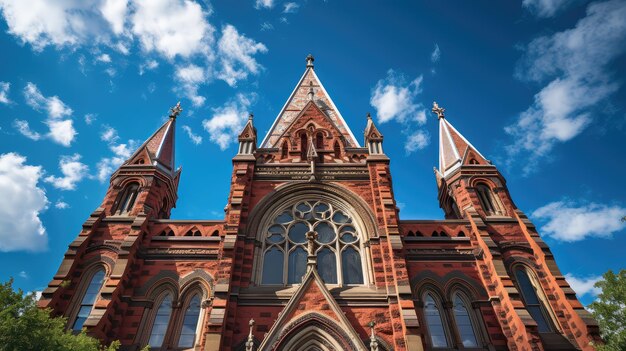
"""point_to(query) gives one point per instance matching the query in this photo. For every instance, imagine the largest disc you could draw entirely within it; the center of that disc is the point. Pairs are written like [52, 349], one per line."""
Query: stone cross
[438, 110]
[250, 342]
[176, 110]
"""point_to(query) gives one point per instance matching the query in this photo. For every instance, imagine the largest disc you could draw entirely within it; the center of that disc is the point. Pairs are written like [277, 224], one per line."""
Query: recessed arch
[314, 330]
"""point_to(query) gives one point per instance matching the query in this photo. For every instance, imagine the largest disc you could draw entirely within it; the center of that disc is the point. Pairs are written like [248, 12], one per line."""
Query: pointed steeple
[454, 149]
[159, 149]
[308, 89]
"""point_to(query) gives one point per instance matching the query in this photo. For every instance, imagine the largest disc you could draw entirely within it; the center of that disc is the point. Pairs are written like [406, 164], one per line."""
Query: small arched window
[88, 300]
[463, 320]
[488, 201]
[435, 233]
[127, 200]
[215, 233]
[533, 298]
[461, 234]
[337, 149]
[319, 141]
[190, 323]
[161, 322]
[473, 162]
[434, 321]
[284, 150]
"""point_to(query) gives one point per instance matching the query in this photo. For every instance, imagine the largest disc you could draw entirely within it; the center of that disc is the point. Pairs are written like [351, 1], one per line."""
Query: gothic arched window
[488, 200]
[161, 322]
[190, 323]
[533, 298]
[434, 321]
[284, 150]
[319, 141]
[463, 320]
[338, 245]
[337, 149]
[127, 200]
[89, 298]
[304, 146]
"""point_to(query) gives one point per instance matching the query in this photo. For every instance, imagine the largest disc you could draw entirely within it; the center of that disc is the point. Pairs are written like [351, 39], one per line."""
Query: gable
[295, 104]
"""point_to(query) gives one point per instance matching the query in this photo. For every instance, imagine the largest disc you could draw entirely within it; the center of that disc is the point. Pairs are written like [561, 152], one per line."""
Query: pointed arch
[534, 298]
[489, 201]
[337, 149]
[434, 316]
[315, 330]
[126, 199]
[86, 295]
[284, 153]
[304, 145]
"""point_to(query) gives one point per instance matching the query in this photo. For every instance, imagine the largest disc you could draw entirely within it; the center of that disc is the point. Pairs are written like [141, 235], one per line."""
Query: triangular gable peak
[311, 303]
[249, 131]
[296, 103]
[311, 115]
[454, 149]
[158, 149]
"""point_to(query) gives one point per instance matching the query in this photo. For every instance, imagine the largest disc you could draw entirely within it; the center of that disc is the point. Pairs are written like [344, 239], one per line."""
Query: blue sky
[537, 86]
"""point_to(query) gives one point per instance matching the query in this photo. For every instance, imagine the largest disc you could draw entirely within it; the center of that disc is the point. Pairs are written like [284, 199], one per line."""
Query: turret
[147, 182]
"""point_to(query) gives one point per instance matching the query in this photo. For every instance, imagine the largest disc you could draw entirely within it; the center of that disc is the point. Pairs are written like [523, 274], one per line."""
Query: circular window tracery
[338, 245]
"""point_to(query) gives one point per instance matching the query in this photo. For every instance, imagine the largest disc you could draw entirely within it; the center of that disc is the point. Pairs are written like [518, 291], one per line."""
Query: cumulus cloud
[121, 152]
[196, 139]
[149, 65]
[545, 8]
[105, 58]
[191, 77]
[61, 205]
[290, 7]
[20, 225]
[115, 12]
[4, 93]
[236, 55]
[24, 128]
[172, 27]
[574, 66]
[569, 221]
[228, 121]
[268, 4]
[266, 26]
[73, 172]
[584, 286]
[416, 141]
[61, 130]
[436, 54]
[394, 98]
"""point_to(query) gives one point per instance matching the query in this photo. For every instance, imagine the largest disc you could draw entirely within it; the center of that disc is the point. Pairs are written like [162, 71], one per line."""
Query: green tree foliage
[25, 327]
[610, 310]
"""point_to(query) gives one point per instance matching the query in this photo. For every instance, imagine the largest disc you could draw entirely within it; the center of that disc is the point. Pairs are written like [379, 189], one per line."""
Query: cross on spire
[438, 110]
[176, 110]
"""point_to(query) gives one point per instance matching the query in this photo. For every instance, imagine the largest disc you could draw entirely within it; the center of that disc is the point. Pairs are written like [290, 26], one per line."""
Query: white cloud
[568, 221]
[172, 27]
[149, 65]
[236, 55]
[266, 26]
[228, 121]
[24, 128]
[268, 4]
[23, 275]
[61, 205]
[109, 134]
[196, 139]
[575, 62]
[115, 11]
[436, 54]
[61, 130]
[105, 58]
[584, 286]
[191, 76]
[20, 225]
[416, 141]
[545, 8]
[4, 92]
[394, 98]
[53, 106]
[291, 7]
[73, 172]
[90, 118]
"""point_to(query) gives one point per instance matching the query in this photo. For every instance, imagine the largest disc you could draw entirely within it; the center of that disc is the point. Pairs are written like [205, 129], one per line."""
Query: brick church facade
[312, 253]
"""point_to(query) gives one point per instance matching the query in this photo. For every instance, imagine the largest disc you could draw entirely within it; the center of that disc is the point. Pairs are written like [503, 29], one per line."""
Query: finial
[311, 93]
[373, 340]
[309, 61]
[176, 110]
[250, 341]
[250, 116]
[438, 110]
[369, 116]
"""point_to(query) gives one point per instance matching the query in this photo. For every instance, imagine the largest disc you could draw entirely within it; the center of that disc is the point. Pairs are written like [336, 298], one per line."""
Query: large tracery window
[285, 245]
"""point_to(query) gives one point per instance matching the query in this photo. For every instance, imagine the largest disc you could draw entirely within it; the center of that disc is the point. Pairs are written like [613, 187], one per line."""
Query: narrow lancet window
[161, 321]
[464, 322]
[436, 329]
[86, 304]
[190, 323]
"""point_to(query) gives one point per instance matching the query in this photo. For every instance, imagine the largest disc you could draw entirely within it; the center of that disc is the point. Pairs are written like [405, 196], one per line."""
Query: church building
[312, 253]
